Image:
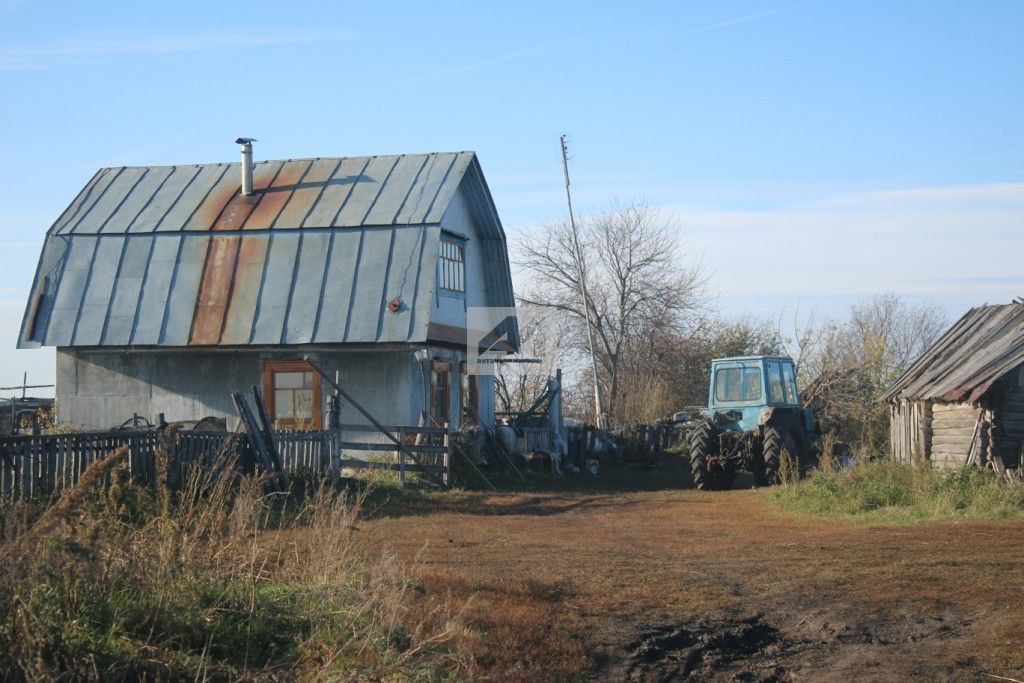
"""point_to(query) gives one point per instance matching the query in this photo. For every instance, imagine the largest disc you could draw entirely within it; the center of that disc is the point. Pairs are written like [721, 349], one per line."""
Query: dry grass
[216, 581]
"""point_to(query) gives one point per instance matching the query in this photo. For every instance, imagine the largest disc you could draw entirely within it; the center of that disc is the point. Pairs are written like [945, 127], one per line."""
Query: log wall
[953, 429]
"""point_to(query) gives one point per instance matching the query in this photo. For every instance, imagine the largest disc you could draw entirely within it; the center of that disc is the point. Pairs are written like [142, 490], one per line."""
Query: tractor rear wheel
[702, 446]
[773, 444]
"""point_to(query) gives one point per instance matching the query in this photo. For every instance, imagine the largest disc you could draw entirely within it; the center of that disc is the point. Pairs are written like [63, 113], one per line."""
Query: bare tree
[636, 279]
[847, 366]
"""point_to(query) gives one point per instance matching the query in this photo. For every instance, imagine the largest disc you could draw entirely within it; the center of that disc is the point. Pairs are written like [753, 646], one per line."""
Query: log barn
[962, 401]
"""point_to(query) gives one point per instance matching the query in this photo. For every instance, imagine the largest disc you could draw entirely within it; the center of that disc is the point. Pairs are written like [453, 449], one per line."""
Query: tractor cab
[742, 388]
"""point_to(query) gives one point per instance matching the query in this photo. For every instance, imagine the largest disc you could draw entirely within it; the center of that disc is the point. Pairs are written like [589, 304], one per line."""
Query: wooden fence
[36, 466]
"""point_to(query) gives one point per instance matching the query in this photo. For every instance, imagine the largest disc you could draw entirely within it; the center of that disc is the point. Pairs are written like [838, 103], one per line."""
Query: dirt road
[661, 584]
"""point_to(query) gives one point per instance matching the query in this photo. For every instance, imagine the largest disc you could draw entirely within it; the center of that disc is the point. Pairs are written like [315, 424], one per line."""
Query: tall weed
[216, 580]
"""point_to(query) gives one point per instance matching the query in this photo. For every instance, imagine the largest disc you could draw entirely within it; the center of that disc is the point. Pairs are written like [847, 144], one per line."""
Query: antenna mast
[581, 268]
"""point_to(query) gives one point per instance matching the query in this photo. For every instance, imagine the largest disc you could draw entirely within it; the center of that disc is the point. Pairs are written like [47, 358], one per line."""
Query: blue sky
[810, 153]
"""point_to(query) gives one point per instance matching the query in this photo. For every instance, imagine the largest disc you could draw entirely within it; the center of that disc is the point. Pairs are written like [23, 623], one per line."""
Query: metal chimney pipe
[246, 144]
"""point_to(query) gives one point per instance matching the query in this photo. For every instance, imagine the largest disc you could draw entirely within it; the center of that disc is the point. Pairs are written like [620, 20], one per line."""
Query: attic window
[452, 265]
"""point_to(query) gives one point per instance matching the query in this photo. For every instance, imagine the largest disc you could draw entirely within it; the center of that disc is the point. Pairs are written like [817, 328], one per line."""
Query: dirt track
[658, 585]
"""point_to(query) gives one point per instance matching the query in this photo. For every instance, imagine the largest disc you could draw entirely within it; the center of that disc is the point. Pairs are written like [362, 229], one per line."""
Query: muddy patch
[748, 649]
[816, 644]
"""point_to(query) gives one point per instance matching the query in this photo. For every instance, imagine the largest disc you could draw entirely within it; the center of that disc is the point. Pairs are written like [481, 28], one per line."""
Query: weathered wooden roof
[176, 256]
[962, 365]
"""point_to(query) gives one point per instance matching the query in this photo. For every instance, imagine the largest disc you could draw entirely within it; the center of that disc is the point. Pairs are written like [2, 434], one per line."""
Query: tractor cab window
[776, 394]
[737, 384]
[789, 383]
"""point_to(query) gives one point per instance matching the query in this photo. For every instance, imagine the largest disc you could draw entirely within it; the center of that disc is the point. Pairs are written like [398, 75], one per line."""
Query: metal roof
[963, 364]
[176, 256]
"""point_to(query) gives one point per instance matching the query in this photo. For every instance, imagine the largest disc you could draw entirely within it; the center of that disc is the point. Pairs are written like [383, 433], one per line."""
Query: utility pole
[581, 268]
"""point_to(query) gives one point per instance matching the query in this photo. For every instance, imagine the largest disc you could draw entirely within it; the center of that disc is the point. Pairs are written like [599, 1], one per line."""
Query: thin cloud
[49, 55]
[476, 66]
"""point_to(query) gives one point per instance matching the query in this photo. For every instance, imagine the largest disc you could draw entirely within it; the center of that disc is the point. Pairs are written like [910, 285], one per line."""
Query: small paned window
[291, 391]
[452, 266]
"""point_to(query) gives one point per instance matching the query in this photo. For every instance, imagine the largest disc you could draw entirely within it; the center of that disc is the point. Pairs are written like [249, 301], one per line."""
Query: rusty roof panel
[245, 290]
[172, 256]
[276, 195]
[182, 206]
[306, 194]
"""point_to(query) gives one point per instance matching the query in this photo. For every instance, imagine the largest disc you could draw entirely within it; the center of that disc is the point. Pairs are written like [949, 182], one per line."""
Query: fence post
[401, 457]
[447, 455]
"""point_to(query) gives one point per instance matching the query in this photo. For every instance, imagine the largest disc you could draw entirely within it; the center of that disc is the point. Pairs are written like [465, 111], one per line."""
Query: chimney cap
[245, 141]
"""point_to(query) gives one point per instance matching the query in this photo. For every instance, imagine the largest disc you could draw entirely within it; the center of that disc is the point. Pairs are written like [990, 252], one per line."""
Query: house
[166, 288]
[962, 401]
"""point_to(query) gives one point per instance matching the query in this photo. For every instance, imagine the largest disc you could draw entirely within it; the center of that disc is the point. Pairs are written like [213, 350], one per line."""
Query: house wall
[101, 389]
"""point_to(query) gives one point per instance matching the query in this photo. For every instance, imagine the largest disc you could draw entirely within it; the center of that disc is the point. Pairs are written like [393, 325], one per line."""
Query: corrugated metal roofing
[962, 365]
[176, 256]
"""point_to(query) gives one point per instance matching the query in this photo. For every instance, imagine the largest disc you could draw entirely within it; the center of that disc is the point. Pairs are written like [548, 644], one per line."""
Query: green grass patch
[886, 491]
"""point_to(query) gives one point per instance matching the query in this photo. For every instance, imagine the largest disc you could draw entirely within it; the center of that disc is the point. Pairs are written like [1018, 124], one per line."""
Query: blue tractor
[753, 417]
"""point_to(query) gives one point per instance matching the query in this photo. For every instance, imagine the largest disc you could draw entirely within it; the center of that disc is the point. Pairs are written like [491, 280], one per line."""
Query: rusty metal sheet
[245, 291]
[215, 289]
[335, 192]
[210, 206]
[276, 195]
[192, 195]
[307, 193]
